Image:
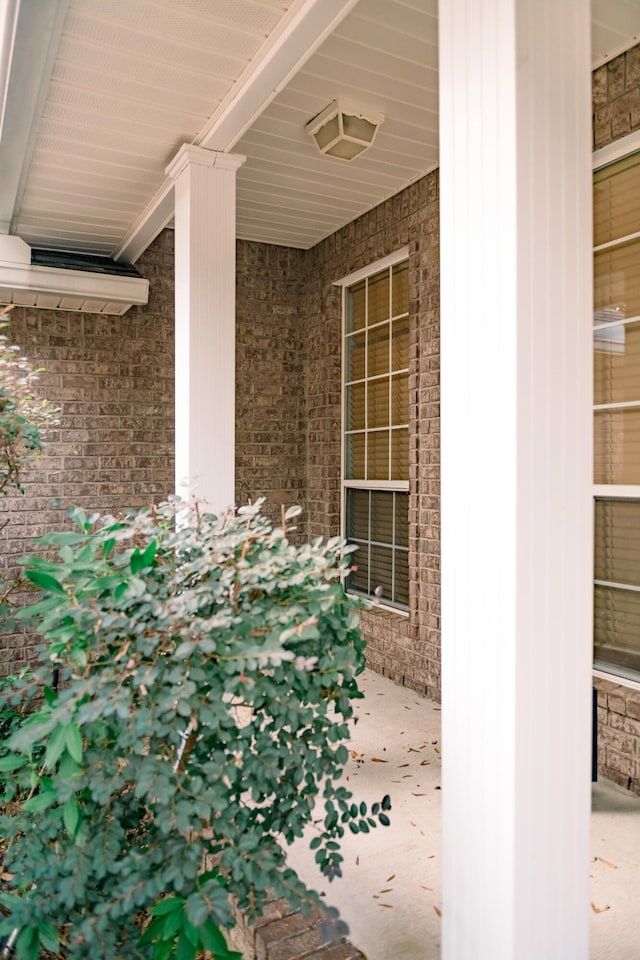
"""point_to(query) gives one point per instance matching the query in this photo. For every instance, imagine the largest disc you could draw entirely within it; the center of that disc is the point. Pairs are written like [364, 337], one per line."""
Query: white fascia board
[8, 24]
[29, 60]
[76, 284]
[303, 28]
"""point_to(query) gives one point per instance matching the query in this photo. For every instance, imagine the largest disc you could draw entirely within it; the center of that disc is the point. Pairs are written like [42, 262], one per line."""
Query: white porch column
[516, 477]
[205, 281]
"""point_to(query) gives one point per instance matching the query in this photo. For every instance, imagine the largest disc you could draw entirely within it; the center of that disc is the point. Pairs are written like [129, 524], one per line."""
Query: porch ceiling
[125, 82]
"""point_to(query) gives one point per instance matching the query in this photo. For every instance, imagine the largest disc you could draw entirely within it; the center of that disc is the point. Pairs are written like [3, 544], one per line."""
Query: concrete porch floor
[390, 894]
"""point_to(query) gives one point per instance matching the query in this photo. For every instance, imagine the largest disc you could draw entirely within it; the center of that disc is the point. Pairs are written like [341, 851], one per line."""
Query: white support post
[205, 281]
[516, 225]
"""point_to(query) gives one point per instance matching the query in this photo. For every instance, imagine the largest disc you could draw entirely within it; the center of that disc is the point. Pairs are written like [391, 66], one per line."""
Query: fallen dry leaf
[608, 863]
[6, 876]
[436, 749]
[378, 760]
[412, 823]
[418, 794]
[401, 765]
[430, 889]
[425, 763]
[354, 754]
[438, 911]
[392, 877]
[387, 890]
[599, 909]
[412, 750]
[385, 905]
[357, 861]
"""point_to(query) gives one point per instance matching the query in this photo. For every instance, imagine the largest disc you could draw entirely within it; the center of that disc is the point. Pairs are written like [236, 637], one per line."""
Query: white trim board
[29, 285]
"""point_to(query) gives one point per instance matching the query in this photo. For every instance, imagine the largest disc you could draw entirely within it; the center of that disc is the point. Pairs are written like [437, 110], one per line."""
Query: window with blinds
[616, 343]
[376, 433]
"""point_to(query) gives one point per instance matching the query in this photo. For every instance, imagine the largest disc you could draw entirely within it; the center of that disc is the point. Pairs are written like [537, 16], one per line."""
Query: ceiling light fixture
[344, 131]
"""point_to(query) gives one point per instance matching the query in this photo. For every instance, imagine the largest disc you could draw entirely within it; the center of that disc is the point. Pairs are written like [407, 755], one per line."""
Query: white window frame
[615, 491]
[399, 486]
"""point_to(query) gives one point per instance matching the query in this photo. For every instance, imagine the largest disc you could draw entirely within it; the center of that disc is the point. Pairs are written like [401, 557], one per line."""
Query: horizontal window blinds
[616, 383]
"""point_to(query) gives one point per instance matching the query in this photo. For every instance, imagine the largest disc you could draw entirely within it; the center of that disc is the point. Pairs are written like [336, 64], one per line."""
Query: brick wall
[112, 378]
[407, 650]
[616, 98]
[616, 113]
[619, 734]
[271, 350]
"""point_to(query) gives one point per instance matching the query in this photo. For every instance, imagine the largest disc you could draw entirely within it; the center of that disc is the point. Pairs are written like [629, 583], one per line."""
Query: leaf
[71, 814]
[49, 937]
[213, 939]
[28, 944]
[438, 911]
[599, 909]
[11, 763]
[150, 553]
[378, 760]
[55, 746]
[185, 949]
[607, 862]
[73, 742]
[107, 547]
[40, 801]
[167, 905]
[392, 877]
[197, 909]
[45, 581]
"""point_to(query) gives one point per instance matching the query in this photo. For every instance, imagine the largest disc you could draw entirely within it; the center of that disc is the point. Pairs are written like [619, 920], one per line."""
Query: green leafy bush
[207, 671]
[23, 417]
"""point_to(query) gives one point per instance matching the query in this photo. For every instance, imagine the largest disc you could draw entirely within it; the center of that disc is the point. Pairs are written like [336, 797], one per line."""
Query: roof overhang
[28, 284]
[29, 37]
[307, 25]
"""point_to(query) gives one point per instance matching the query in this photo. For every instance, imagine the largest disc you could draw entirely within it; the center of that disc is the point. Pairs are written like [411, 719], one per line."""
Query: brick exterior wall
[619, 734]
[616, 113]
[271, 349]
[616, 98]
[405, 649]
[112, 379]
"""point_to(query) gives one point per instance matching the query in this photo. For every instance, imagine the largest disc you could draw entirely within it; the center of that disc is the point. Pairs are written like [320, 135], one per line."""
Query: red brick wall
[112, 379]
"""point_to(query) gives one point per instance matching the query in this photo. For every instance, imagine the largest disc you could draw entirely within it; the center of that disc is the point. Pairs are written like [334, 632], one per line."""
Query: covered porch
[391, 891]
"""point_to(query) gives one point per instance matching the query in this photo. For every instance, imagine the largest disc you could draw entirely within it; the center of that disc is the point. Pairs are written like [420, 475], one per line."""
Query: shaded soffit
[134, 79]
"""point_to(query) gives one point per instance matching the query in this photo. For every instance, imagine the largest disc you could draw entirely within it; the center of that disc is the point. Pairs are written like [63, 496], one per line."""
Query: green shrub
[23, 417]
[207, 670]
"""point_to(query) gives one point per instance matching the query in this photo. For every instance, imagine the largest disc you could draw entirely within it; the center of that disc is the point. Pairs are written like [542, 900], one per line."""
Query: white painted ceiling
[133, 79]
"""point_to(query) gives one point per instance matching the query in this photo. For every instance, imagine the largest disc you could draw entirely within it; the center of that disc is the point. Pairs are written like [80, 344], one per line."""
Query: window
[376, 430]
[616, 342]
